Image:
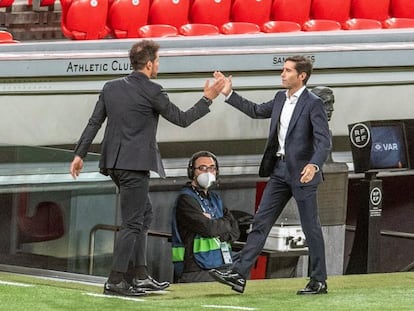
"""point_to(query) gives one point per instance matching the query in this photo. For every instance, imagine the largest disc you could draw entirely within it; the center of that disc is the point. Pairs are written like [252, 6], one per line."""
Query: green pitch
[391, 291]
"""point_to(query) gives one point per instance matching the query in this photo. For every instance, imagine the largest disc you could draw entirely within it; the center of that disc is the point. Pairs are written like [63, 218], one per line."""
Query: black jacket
[132, 106]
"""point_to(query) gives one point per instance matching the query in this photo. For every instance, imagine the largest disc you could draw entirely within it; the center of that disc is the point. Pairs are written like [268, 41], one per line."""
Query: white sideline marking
[57, 279]
[228, 307]
[15, 284]
[109, 296]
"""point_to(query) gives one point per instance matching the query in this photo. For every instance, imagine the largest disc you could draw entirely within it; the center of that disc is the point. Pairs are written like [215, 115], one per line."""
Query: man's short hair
[302, 64]
[142, 52]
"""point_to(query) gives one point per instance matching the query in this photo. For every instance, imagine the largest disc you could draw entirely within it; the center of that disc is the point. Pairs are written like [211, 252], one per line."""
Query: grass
[391, 291]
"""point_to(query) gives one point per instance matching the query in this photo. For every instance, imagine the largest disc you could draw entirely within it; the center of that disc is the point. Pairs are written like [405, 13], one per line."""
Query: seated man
[202, 228]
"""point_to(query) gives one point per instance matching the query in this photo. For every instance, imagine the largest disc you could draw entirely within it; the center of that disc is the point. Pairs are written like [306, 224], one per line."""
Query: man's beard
[153, 75]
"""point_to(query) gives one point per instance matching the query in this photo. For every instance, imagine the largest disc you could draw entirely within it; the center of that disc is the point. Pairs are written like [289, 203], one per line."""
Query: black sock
[141, 272]
[130, 274]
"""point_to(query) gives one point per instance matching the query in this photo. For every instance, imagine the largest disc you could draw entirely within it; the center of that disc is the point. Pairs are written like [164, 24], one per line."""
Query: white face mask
[205, 180]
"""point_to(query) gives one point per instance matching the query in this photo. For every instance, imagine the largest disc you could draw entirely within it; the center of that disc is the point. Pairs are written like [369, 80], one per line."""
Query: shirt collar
[296, 95]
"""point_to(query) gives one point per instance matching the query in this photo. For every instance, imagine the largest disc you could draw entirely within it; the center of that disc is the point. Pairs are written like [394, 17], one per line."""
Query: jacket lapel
[300, 105]
[278, 106]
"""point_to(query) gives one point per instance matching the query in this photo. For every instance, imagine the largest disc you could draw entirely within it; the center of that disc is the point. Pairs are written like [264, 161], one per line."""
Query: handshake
[221, 84]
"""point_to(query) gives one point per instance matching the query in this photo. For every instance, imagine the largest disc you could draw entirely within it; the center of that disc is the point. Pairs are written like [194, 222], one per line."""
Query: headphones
[194, 157]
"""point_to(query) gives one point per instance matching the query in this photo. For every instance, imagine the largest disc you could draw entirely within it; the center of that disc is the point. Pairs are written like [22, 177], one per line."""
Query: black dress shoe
[230, 278]
[314, 288]
[149, 284]
[122, 289]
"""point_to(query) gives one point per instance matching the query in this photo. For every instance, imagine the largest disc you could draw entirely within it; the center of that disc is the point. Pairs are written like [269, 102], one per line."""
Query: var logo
[385, 147]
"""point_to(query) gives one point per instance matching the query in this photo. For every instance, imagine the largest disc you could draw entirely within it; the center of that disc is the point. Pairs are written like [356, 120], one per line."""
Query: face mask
[205, 180]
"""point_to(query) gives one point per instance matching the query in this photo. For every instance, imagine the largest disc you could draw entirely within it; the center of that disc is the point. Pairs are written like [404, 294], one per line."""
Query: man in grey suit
[132, 106]
[298, 144]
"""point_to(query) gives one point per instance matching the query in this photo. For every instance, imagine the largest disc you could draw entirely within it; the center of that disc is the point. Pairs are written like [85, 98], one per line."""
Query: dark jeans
[136, 217]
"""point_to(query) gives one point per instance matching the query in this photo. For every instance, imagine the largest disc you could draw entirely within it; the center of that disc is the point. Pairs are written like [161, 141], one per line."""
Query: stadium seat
[280, 26]
[362, 23]
[198, 30]
[337, 10]
[401, 8]
[215, 12]
[401, 14]
[399, 22]
[369, 9]
[297, 11]
[125, 17]
[44, 225]
[6, 3]
[6, 37]
[238, 28]
[84, 19]
[157, 30]
[169, 12]
[6, 8]
[251, 11]
[321, 25]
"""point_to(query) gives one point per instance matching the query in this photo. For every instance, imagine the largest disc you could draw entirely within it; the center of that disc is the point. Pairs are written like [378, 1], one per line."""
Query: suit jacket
[307, 139]
[132, 106]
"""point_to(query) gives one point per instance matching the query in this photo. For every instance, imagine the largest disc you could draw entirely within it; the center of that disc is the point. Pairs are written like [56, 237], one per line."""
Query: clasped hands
[221, 84]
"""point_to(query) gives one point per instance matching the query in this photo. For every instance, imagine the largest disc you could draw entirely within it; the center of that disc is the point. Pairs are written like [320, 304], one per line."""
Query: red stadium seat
[251, 11]
[198, 30]
[400, 22]
[6, 3]
[215, 12]
[337, 10]
[280, 26]
[238, 28]
[169, 12]
[157, 30]
[125, 17]
[402, 8]
[297, 11]
[6, 37]
[321, 25]
[362, 23]
[84, 19]
[7, 8]
[45, 224]
[369, 9]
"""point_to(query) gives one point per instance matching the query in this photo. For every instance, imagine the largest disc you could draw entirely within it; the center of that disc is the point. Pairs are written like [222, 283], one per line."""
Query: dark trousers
[279, 189]
[136, 216]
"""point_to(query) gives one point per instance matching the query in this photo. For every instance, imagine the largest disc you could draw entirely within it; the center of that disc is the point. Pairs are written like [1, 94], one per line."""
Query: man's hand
[308, 173]
[213, 90]
[228, 86]
[76, 166]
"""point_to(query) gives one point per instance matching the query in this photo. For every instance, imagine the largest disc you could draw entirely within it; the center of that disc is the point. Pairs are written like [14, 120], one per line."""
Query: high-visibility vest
[207, 250]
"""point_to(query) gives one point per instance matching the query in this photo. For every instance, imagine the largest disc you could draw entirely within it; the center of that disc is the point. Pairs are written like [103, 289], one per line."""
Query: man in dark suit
[132, 106]
[298, 144]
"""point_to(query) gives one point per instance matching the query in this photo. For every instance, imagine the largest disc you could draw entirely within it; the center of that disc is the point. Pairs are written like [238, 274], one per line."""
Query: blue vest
[207, 251]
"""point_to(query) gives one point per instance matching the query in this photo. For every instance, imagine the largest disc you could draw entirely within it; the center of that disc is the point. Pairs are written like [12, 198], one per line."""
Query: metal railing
[395, 234]
[115, 229]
